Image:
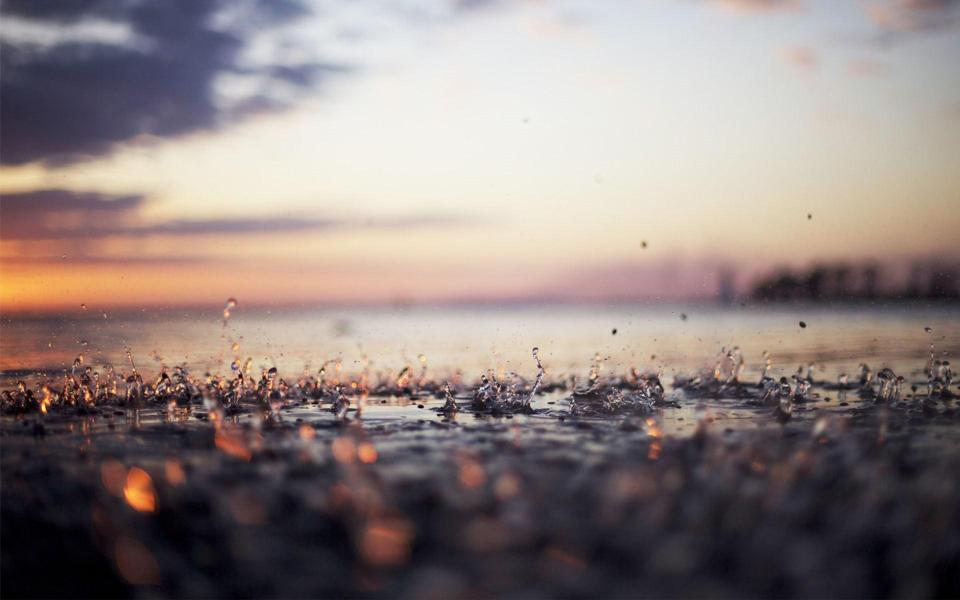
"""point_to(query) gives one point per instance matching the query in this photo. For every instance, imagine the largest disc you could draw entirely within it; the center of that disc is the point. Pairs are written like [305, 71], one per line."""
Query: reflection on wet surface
[708, 479]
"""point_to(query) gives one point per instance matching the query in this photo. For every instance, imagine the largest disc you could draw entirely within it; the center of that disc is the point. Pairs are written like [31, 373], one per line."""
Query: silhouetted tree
[932, 280]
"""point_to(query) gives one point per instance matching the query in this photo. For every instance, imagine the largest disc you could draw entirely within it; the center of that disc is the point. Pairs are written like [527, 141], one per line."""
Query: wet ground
[689, 475]
[713, 497]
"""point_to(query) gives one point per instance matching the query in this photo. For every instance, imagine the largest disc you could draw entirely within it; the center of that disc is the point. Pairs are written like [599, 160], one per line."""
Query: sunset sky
[165, 154]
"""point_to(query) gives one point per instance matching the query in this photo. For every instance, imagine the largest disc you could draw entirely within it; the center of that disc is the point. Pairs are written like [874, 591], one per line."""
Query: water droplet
[230, 305]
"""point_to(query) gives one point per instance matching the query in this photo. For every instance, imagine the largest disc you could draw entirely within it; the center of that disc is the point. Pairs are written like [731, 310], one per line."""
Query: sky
[178, 153]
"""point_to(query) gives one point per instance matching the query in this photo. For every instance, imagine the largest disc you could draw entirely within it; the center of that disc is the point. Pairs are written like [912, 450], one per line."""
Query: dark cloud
[52, 214]
[113, 260]
[899, 18]
[26, 204]
[468, 5]
[79, 99]
[65, 215]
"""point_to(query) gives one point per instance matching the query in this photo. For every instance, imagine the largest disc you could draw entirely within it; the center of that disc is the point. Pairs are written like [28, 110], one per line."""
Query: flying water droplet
[229, 306]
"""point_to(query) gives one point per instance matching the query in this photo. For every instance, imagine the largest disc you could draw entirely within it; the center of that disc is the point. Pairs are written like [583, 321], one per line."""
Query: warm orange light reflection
[135, 562]
[233, 444]
[173, 469]
[307, 432]
[386, 542]
[113, 475]
[344, 450]
[139, 491]
[367, 453]
[471, 474]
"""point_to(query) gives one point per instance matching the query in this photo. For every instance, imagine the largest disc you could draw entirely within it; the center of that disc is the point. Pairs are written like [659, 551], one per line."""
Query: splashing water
[340, 406]
[866, 381]
[801, 389]
[227, 308]
[450, 407]
[507, 397]
[729, 366]
[611, 399]
[889, 386]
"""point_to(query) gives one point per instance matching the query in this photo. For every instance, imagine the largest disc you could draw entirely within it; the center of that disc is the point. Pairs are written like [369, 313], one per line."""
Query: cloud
[25, 203]
[802, 57]
[52, 214]
[113, 260]
[107, 72]
[57, 214]
[897, 17]
[865, 68]
[757, 6]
